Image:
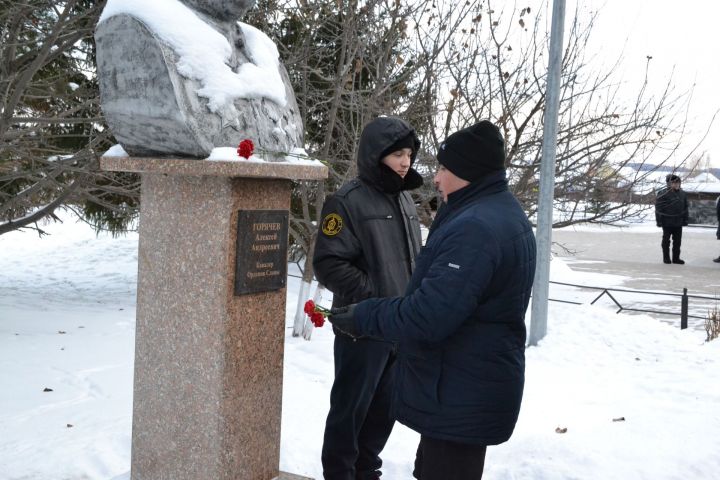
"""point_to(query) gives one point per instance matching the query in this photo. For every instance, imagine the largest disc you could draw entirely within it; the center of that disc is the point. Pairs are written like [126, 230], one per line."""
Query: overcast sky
[680, 35]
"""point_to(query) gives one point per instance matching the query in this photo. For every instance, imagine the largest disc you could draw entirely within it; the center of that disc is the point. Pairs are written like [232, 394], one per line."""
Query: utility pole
[539, 309]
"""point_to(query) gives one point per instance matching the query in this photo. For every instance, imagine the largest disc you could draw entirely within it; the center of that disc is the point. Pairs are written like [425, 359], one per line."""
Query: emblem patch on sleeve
[332, 224]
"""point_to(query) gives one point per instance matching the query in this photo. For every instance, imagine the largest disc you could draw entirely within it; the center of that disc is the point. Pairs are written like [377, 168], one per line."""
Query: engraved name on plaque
[261, 255]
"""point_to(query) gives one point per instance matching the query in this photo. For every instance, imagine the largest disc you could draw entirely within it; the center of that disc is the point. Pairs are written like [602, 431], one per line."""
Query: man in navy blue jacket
[460, 325]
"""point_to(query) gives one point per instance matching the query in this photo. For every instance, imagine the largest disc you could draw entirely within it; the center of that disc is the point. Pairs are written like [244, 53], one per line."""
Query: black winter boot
[676, 253]
[666, 256]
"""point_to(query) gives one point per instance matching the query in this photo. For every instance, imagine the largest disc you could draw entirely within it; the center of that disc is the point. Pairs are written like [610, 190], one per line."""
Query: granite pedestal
[208, 362]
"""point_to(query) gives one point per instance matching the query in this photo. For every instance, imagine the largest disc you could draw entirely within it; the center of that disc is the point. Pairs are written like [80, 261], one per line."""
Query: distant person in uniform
[717, 233]
[366, 247]
[671, 214]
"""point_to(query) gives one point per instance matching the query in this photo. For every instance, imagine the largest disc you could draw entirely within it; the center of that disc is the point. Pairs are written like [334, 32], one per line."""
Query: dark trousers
[359, 422]
[676, 234]
[445, 460]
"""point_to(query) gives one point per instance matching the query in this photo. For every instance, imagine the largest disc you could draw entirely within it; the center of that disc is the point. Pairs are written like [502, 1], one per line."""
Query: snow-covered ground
[639, 399]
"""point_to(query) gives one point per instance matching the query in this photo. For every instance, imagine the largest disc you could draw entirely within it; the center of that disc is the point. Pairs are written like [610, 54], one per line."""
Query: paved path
[637, 256]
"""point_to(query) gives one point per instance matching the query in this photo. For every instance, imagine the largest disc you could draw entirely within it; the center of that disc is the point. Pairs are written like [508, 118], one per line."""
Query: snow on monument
[179, 78]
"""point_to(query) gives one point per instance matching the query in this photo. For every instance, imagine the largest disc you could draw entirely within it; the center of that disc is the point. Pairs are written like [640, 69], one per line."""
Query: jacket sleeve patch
[332, 224]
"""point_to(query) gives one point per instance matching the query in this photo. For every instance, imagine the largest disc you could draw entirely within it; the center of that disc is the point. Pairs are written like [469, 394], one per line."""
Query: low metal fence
[607, 291]
[622, 306]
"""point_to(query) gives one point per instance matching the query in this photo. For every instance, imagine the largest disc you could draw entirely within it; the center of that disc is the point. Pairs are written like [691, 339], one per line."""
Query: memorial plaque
[261, 255]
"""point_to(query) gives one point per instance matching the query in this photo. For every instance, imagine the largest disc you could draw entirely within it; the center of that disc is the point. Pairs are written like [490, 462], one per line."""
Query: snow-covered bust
[178, 78]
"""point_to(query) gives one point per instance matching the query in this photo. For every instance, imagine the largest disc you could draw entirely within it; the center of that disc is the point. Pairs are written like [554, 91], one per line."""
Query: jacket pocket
[420, 381]
[377, 217]
[491, 383]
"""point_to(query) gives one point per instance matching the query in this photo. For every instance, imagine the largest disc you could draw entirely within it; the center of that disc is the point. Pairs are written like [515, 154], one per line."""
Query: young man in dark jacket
[460, 325]
[366, 247]
[671, 213]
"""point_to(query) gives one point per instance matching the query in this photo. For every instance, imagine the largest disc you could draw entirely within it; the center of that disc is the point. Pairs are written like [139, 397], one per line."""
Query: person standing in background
[717, 232]
[671, 214]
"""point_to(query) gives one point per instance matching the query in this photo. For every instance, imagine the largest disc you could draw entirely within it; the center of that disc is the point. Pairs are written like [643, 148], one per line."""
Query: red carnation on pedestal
[245, 149]
[316, 313]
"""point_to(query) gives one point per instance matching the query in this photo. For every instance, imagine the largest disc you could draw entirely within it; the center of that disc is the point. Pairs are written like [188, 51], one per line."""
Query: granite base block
[291, 476]
[208, 363]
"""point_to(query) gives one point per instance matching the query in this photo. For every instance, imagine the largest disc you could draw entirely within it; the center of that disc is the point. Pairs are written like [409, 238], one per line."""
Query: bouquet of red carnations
[316, 313]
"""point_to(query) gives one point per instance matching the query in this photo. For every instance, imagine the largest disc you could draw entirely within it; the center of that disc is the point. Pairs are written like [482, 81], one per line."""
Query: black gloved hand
[342, 318]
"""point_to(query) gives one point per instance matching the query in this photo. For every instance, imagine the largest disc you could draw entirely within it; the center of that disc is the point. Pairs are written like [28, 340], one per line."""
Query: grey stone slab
[191, 167]
[155, 110]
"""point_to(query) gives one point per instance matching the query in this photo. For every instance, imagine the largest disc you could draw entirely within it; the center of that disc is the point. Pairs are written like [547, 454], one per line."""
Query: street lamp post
[539, 309]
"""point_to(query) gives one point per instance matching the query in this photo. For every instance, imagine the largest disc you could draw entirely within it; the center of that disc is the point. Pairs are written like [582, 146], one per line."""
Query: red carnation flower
[316, 313]
[317, 319]
[245, 149]
[309, 307]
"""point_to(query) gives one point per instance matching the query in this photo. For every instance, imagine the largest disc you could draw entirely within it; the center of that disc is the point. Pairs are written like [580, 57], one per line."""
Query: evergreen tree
[51, 126]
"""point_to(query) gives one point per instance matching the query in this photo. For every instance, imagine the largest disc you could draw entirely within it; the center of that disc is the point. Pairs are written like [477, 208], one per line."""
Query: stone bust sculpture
[178, 78]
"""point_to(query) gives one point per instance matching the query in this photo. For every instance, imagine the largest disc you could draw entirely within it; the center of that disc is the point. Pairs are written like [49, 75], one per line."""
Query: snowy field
[639, 399]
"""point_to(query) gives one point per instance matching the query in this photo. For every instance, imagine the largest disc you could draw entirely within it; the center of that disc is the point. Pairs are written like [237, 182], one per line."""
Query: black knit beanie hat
[671, 177]
[473, 152]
